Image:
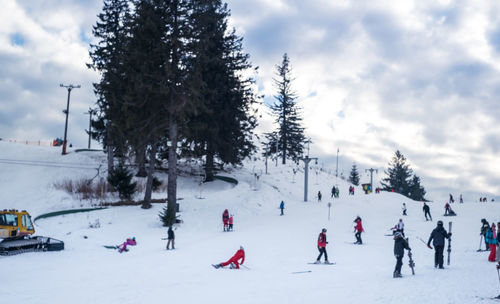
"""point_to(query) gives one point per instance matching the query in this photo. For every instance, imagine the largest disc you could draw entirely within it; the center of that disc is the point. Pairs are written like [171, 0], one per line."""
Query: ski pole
[480, 242]
[244, 266]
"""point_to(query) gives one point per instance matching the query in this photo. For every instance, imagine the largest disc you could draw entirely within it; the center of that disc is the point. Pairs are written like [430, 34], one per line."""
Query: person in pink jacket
[358, 229]
[123, 247]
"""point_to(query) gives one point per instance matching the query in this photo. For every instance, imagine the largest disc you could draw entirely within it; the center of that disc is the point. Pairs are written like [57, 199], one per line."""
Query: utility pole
[267, 152]
[90, 112]
[306, 160]
[69, 88]
[337, 167]
[371, 177]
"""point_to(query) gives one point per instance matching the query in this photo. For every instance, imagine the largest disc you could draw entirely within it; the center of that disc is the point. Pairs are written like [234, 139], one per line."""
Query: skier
[230, 221]
[461, 199]
[492, 241]
[484, 228]
[319, 196]
[171, 238]
[234, 260]
[358, 229]
[400, 244]
[337, 192]
[123, 247]
[322, 246]
[399, 227]
[333, 191]
[437, 236]
[427, 211]
[225, 219]
[447, 208]
[451, 199]
[282, 206]
[404, 209]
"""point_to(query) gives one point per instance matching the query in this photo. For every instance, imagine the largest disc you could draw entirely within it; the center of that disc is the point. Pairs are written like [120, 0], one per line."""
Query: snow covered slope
[276, 246]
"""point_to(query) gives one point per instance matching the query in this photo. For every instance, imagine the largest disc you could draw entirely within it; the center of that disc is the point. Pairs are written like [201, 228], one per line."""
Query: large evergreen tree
[354, 176]
[290, 131]
[222, 127]
[400, 179]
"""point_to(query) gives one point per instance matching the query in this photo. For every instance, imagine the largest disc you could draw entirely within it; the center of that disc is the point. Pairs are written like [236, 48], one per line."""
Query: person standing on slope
[404, 209]
[399, 227]
[322, 246]
[484, 228]
[230, 221]
[447, 209]
[225, 219]
[437, 236]
[282, 206]
[319, 196]
[400, 244]
[171, 238]
[358, 229]
[234, 260]
[491, 240]
[427, 211]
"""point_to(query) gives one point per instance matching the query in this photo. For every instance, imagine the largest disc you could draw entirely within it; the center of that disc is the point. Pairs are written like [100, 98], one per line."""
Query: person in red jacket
[230, 228]
[225, 220]
[322, 246]
[358, 229]
[234, 261]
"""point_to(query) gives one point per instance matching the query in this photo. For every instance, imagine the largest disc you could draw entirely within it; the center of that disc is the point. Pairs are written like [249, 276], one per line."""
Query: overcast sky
[372, 77]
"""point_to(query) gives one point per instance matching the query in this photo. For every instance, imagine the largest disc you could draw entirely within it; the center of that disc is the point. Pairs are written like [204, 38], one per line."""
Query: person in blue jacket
[282, 206]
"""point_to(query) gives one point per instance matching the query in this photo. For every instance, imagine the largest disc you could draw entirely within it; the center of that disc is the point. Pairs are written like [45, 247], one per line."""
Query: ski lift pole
[329, 206]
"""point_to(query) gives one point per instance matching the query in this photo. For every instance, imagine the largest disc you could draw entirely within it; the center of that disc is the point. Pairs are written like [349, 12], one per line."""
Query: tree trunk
[149, 184]
[140, 159]
[109, 148]
[209, 165]
[172, 171]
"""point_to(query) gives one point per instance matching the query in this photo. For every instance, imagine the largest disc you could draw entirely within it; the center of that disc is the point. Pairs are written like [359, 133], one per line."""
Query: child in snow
[322, 246]
[399, 227]
[491, 240]
[233, 261]
[230, 221]
[282, 206]
[400, 244]
[404, 209]
[447, 208]
[123, 247]
[437, 236]
[358, 229]
[171, 238]
[225, 219]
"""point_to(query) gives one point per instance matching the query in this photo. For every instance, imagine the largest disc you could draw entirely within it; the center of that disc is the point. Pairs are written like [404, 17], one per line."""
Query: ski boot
[217, 266]
[397, 274]
[317, 262]
[326, 262]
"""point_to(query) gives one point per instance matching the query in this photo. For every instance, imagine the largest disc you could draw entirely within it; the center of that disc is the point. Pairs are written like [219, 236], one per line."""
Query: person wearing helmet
[399, 227]
[427, 211]
[123, 247]
[484, 228]
[234, 260]
[358, 229]
[492, 241]
[400, 244]
[225, 220]
[322, 246]
[438, 235]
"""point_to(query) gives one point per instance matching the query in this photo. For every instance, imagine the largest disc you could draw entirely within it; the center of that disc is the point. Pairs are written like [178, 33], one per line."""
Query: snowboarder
[225, 219]
[447, 208]
[484, 228]
[319, 196]
[437, 236]
[282, 206]
[404, 209]
[399, 227]
[234, 260]
[491, 240]
[427, 211]
[322, 246]
[400, 244]
[123, 247]
[358, 229]
[170, 238]
[230, 221]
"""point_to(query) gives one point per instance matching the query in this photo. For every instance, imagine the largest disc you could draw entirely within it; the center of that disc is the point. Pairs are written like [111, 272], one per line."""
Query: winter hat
[440, 223]
[323, 230]
[241, 247]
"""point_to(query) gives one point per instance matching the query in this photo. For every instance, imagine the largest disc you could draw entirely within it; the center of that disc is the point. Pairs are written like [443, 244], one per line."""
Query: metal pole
[90, 112]
[371, 177]
[306, 173]
[69, 88]
[337, 167]
[267, 152]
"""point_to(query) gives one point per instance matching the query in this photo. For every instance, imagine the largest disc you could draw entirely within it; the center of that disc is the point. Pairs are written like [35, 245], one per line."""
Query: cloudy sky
[372, 77]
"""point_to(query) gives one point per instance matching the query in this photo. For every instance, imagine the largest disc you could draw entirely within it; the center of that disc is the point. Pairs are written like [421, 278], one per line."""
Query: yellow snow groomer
[16, 229]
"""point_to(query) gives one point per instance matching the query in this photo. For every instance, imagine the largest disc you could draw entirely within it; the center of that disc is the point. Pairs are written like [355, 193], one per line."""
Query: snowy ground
[276, 246]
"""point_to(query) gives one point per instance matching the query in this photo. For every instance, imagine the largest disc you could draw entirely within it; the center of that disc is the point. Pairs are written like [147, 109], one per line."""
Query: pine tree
[354, 176]
[291, 133]
[415, 190]
[222, 127]
[121, 180]
[399, 175]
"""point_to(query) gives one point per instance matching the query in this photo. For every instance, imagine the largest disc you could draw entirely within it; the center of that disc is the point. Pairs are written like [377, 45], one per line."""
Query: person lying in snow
[234, 261]
[123, 247]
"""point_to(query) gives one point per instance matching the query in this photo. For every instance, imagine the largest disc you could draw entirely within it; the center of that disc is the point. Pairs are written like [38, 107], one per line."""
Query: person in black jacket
[484, 228]
[400, 244]
[171, 238]
[427, 211]
[438, 235]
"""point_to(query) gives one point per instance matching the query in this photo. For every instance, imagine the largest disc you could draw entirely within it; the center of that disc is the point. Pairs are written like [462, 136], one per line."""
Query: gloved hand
[429, 246]
[449, 234]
